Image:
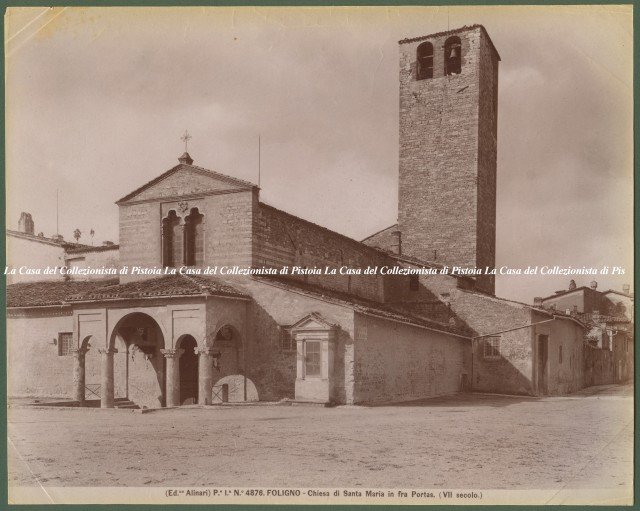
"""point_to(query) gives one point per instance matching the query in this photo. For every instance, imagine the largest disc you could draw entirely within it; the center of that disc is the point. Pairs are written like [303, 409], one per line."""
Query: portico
[158, 350]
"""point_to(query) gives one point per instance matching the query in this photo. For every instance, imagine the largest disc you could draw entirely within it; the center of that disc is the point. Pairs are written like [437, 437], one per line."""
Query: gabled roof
[183, 166]
[313, 321]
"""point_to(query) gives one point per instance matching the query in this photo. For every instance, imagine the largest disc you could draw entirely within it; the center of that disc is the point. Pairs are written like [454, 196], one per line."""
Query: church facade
[176, 339]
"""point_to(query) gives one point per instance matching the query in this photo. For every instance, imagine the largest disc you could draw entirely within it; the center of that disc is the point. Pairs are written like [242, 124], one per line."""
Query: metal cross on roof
[185, 138]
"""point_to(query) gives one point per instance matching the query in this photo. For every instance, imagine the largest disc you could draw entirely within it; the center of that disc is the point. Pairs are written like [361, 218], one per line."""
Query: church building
[178, 338]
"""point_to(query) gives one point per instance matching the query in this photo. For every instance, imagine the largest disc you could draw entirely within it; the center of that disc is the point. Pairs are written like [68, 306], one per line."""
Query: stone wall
[270, 367]
[399, 362]
[564, 372]
[598, 366]
[140, 236]
[33, 365]
[96, 258]
[29, 252]
[228, 227]
[511, 371]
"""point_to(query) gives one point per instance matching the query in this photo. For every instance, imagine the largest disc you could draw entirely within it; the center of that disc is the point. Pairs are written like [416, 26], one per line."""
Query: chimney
[537, 301]
[107, 243]
[58, 237]
[396, 246]
[572, 285]
[594, 285]
[25, 224]
[626, 289]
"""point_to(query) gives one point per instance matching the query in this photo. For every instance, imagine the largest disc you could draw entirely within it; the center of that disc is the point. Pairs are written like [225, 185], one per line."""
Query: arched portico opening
[188, 370]
[135, 346]
[228, 377]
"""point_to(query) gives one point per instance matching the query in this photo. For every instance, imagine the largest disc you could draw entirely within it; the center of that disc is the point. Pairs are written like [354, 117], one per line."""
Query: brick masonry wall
[33, 365]
[440, 179]
[285, 240]
[487, 163]
[398, 362]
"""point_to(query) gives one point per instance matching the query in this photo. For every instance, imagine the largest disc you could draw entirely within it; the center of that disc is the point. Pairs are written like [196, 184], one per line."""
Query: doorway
[543, 355]
[188, 371]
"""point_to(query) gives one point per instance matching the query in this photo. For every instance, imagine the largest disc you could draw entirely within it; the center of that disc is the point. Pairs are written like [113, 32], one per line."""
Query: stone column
[173, 376]
[79, 374]
[106, 391]
[205, 374]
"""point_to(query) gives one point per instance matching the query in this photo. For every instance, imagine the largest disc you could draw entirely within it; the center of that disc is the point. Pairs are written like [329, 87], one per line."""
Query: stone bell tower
[448, 148]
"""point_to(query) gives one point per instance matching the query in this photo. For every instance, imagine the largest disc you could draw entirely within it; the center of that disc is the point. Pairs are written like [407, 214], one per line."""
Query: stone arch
[230, 382]
[194, 238]
[135, 343]
[424, 61]
[452, 56]
[172, 239]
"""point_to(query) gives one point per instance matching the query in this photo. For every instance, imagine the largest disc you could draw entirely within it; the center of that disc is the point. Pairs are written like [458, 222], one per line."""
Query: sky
[97, 99]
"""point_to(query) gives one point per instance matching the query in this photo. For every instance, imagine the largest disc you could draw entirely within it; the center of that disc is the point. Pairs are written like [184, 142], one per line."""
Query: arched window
[424, 61]
[452, 56]
[171, 240]
[193, 239]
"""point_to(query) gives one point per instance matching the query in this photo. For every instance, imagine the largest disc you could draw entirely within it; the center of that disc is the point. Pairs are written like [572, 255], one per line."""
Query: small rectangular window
[560, 354]
[287, 342]
[312, 358]
[65, 344]
[492, 347]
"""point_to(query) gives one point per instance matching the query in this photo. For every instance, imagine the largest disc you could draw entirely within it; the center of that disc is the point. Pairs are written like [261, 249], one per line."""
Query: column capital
[107, 351]
[175, 353]
[206, 350]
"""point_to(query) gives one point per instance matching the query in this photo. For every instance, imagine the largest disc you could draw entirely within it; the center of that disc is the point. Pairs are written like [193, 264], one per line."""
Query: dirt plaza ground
[466, 441]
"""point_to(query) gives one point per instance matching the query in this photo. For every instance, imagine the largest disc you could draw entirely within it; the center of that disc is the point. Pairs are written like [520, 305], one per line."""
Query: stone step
[125, 403]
